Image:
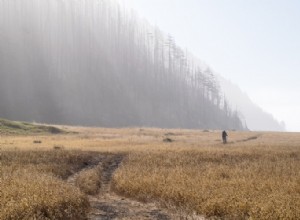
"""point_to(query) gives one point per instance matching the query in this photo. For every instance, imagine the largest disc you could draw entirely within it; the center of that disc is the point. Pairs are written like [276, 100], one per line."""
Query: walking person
[224, 137]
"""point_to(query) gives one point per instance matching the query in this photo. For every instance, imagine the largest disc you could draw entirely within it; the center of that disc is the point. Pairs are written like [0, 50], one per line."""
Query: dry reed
[234, 183]
[89, 181]
[255, 176]
[32, 185]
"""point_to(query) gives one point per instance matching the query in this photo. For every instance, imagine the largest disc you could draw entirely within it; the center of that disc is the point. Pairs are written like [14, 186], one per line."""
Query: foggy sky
[255, 44]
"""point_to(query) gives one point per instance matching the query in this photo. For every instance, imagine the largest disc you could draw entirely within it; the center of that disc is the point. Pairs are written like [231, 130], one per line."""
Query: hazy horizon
[253, 44]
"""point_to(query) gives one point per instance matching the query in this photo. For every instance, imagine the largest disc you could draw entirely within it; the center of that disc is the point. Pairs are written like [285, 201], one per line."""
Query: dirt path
[109, 206]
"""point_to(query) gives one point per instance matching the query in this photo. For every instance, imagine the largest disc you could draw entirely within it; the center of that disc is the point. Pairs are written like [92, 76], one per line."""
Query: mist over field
[95, 63]
[104, 115]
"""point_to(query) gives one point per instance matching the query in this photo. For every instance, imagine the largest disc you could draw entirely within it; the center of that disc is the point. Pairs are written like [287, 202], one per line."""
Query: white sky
[255, 44]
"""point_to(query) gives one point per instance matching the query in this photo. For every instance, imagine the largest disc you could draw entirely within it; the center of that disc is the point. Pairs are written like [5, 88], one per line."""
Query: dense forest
[92, 62]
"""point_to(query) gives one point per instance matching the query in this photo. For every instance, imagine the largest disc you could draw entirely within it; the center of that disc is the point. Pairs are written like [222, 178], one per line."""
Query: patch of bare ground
[111, 206]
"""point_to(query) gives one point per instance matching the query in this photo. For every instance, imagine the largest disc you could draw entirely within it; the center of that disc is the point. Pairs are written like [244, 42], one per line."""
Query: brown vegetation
[235, 183]
[255, 176]
[32, 185]
[29, 194]
[89, 181]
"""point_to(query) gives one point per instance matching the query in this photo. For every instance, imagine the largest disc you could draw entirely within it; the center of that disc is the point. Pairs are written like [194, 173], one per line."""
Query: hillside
[96, 64]
[255, 117]
[8, 127]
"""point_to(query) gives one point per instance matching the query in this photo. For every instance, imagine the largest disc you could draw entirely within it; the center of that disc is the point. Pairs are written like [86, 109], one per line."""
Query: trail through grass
[255, 176]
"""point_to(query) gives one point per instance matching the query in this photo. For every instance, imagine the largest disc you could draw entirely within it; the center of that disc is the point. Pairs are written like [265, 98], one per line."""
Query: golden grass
[29, 194]
[32, 185]
[89, 181]
[255, 176]
[237, 183]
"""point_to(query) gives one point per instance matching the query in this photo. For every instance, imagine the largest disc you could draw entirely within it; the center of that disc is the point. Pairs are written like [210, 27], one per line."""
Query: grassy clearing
[255, 176]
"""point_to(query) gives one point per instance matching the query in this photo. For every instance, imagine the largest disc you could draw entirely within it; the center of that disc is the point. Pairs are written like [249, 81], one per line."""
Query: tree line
[92, 62]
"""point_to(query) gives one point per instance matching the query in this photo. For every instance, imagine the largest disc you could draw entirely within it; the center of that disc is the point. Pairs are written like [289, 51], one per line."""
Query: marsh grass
[89, 181]
[32, 185]
[255, 176]
[30, 194]
[239, 183]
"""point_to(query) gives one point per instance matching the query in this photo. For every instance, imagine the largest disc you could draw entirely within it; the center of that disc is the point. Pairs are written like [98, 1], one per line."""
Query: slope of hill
[93, 63]
[255, 117]
[15, 128]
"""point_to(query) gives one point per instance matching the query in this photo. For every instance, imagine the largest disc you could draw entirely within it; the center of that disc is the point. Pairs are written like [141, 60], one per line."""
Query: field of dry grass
[235, 183]
[32, 185]
[255, 176]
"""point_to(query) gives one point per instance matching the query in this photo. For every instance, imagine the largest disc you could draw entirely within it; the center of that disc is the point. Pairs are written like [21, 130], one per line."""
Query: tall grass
[255, 176]
[234, 183]
[29, 194]
[89, 181]
[32, 185]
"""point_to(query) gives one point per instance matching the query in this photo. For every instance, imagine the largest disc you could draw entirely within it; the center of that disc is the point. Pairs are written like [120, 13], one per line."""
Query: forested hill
[90, 62]
[257, 119]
